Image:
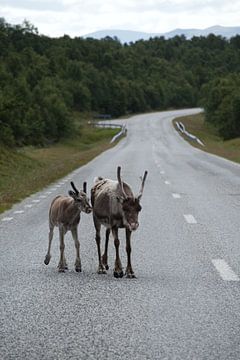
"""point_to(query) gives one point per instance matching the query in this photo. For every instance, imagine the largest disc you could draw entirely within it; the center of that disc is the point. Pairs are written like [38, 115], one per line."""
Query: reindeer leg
[105, 255]
[50, 237]
[78, 266]
[129, 271]
[101, 269]
[61, 265]
[65, 263]
[118, 271]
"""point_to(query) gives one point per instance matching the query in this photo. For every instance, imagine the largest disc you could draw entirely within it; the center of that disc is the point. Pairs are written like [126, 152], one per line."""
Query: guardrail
[110, 125]
[183, 130]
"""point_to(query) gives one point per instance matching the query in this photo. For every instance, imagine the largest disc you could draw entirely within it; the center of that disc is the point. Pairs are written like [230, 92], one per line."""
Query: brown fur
[115, 206]
[64, 213]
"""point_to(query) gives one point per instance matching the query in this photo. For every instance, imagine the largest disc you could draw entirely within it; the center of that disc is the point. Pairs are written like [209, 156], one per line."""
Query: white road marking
[42, 197]
[190, 219]
[167, 182]
[7, 219]
[36, 201]
[18, 212]
[224, 270]
[28, 206]
[162, 172]
[176, 196]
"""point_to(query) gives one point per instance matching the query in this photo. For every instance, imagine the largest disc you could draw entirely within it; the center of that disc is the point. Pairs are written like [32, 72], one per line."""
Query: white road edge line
[190, 219]
[224, 270]
[176, 196]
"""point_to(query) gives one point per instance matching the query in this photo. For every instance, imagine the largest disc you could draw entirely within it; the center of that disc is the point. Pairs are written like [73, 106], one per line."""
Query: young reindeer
[115, 206]
[65, 212]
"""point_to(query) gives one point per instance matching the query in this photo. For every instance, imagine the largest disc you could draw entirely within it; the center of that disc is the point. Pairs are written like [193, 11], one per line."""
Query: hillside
[45, 81]
[127, 36]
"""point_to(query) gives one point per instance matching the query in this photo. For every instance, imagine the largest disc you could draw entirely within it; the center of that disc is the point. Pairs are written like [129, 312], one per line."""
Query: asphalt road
[185, 301]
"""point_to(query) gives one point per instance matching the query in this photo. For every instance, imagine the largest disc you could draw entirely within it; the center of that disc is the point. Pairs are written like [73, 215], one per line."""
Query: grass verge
[195, 124]
[27, 170]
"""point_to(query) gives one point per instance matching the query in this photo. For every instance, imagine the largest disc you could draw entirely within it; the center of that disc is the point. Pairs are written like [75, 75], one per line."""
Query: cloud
[40, 5]
[79, 17]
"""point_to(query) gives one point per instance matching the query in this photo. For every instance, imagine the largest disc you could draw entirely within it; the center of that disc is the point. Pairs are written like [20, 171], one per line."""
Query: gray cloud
[40, 5]
[79, 17]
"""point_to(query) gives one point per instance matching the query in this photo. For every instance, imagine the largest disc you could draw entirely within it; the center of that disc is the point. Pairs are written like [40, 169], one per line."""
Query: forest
[45, 80]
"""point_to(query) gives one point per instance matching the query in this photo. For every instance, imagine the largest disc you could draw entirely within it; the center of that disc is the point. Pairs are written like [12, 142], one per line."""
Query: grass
[27, 170]
[195, 124]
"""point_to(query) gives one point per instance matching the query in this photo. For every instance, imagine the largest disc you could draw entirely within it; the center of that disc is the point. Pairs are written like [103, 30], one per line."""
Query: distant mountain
[126, 36]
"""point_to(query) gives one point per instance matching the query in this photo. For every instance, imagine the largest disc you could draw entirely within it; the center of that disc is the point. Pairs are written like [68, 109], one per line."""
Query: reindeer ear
[72, 194]
[120, 199]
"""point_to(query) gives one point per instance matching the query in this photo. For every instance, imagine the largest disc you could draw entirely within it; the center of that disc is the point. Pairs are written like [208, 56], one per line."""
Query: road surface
[185, 302]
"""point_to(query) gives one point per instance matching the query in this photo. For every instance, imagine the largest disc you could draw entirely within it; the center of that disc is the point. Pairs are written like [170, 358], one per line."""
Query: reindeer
[65, 212]
[115, 206]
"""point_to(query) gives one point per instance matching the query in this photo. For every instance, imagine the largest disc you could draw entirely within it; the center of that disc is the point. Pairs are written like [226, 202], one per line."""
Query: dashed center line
[190, 219]
[176, 196]
[18, 212]
[36, 201]
[28, 206]
[7, 219]
[224, 270]
[42, 197]
[167, 182]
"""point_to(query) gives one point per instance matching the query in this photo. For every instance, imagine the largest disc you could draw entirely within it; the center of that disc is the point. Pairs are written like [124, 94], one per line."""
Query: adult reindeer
[115, 206]
[65, 213]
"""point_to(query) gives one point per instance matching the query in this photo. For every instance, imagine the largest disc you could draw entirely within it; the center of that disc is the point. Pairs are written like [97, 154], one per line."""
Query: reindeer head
[130, 205]
[80, 198]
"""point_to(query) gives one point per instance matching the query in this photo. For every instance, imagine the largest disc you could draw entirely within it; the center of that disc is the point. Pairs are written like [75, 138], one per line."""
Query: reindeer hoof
[117, 274]
[47, 259]
[102, 271]
[61, 270]
[78, 269]
[131, 276]
[106, 267]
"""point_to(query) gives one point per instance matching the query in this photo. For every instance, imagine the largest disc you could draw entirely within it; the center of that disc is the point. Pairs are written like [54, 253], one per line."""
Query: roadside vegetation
[29, 169]
[207, 133]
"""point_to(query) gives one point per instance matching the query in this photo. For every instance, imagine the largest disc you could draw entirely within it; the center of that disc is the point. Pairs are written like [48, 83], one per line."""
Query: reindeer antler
[74, 187]
[85, 186]
[120, 181]
[142, 184]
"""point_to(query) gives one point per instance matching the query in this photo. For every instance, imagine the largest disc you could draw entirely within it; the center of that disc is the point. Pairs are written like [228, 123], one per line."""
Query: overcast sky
[80, 17]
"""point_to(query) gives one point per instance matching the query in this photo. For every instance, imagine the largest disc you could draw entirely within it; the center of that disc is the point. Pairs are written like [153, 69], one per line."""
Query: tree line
[44, 80]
